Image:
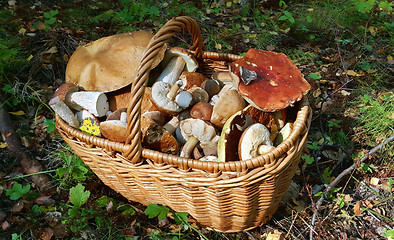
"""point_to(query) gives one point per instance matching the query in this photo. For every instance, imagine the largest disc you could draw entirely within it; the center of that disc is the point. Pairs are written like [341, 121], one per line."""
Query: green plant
[50, 123]
[287, 16]
[389, 233]
[181, 218]
[132, 12]
[376, 121]
[367, 167]
[308, 159]
[74, 168]
[315, 76]
[17, 191]
[50, 20]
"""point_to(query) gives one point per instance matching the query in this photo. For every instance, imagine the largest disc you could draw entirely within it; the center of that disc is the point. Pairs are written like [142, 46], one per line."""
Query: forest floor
[344, 49]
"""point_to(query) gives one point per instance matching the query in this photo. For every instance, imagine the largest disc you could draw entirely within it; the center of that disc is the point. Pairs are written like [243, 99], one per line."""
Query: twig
[339, 178]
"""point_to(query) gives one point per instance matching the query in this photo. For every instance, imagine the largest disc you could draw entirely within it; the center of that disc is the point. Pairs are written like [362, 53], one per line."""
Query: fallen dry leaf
[5, 225]
[356, 209]
[275, 235]
[46, 234]
[18, 113]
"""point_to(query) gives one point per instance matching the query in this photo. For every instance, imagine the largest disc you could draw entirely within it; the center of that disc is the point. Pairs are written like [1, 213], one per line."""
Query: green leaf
[126, 210]
[308, 18]
[17, 191]
[315, 76]
[308, 159]
[78, 195]
[153, 210]
[53, 12]
[50, 125]
[180, 217]
[61, 171]
[281, 18]
[72, 212]
[50, 21]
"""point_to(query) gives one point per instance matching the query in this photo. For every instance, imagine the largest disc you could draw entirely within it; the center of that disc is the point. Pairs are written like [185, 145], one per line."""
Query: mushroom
[95, 102]
[180, 59]
[224, 77]
[190, 79]
[64, 91]
[172, 125]
[211, 86]
[228, 103]
[202, 110]
[84, 114]
[267, 80]
[156, 116]
[114, 130]
[283, 133]
[64, 112]
[184, 99]
[161, 101]
[156, 137]
[231, 134]
[109, 63]
[198, 95]
[255, 141]
[196, 131]
[147, 104]
[117, 114]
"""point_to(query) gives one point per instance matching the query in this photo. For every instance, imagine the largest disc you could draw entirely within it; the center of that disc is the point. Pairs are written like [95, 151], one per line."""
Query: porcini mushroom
[180, 59]
[196, 131]
[268, 80]
[231, 135]
[190, 79]
[157, 138]
[211, 86]
[202, 110]
[109, 63]
[64, 112]
[228, 103]
[114, 130]
[255, 141]
[161, 101]
[95, 102]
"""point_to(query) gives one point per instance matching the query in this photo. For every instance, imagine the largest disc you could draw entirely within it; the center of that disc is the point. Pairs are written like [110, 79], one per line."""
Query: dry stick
[339, 178]
[29, 165]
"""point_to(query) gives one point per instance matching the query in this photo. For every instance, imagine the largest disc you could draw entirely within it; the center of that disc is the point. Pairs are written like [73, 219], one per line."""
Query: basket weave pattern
[229, 197]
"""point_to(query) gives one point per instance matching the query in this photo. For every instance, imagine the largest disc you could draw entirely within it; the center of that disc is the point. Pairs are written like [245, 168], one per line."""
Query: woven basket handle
[133, 154]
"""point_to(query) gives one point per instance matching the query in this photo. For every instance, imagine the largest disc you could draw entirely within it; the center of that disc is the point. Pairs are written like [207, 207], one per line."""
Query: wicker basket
[228, 197]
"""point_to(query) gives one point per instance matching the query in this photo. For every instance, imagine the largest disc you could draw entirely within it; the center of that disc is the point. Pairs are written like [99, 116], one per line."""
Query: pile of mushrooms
[234, 115]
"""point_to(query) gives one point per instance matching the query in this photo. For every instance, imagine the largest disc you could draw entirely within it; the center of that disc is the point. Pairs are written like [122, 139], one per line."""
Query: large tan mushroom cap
[268, 80]
[109, 63]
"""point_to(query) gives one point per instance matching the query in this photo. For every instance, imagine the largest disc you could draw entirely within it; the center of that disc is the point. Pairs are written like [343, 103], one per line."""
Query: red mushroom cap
[268, 80]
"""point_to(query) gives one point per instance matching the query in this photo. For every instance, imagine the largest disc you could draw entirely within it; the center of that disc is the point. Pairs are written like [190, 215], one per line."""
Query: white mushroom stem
[173, 70]
[184, 99]
[123, 117]
[64, 111]
[172, 125]
[174, 89]
[95, 102]
[264, 149]
[187, 149]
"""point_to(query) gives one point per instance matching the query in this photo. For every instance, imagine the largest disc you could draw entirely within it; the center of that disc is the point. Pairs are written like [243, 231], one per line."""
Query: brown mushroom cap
[114, 130]
[268, 80]
[190, 79]
[109, 63]
[64, 90]
[202, 110]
